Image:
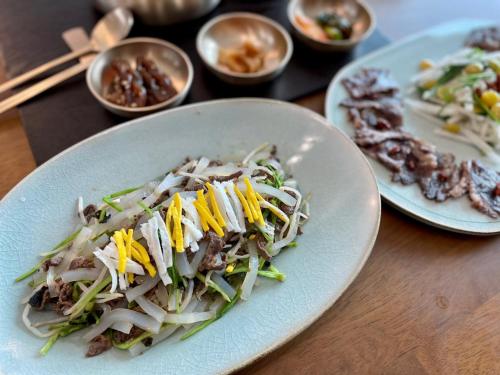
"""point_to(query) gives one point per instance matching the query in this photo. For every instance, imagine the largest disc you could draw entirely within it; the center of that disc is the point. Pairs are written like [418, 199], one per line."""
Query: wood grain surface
[426, 302]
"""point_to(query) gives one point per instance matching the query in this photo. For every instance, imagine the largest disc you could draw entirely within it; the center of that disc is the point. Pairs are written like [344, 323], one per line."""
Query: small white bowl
[230, 30]
[169, 58]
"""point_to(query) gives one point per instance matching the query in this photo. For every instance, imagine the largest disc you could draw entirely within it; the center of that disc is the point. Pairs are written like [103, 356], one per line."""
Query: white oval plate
[345, 208]
[402, 60]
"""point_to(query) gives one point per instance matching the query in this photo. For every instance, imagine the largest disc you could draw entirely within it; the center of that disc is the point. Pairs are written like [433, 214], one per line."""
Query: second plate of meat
[426, 113]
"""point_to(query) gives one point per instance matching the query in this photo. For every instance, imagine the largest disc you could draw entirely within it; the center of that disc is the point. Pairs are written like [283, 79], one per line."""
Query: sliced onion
[188, 296]
[32, 293]
[27, 323]
[236, 247]
[82, 237]
[171, 305]
[80, 274]
[106, 297]
[200, 167]
[224, 285]
[200, 254]
[162, 295]
[164, 333]
[89, 290]
[151, 309]
[223, 170]
[189, 318]
[141, 289]
[183, 266]
[51, 321]
[255, 151]
[80, 211]
[253, 267]
[51, 282]
[137, 349]
[124, 327]
[168, 182]
[290, 236]
[123, 315]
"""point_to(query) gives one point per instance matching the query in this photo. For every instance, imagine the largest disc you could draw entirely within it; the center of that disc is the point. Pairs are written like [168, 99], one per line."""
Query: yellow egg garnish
[215, 206]
[425, 64]
[140, 254]
[244, 203]
[252, 200]
[122, 252]
[428, 84]
[203, 212]
[452, 127]
[203, 202]
[168, 222]
[179, 237]
[490, 97]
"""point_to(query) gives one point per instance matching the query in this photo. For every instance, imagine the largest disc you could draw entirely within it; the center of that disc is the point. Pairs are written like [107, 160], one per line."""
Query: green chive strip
[145, 208]
[49, 344]
[46, 256]
[82, 302]
[227, 306]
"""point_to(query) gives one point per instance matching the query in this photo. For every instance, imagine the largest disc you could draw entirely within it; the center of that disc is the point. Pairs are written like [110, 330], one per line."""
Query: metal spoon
[112, 28]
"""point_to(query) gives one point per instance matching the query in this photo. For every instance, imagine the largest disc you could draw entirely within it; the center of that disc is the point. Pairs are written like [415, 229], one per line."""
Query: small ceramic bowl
[357, 11]
[232, 30]
[170, 59]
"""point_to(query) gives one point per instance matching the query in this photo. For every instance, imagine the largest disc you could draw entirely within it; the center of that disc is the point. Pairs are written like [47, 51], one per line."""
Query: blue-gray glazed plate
[402, 59]
[345, 209]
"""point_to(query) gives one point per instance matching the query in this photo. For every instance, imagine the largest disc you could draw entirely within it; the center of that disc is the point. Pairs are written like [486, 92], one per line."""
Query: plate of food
[426, 111]
[190, 241]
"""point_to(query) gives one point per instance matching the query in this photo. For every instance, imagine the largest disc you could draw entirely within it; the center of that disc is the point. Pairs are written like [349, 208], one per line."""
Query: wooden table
[427, 301]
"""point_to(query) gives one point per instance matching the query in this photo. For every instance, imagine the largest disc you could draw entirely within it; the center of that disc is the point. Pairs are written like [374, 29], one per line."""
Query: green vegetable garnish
[56, 249]
[227, 306]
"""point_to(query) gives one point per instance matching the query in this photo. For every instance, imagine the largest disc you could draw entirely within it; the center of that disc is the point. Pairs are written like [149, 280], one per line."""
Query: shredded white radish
[238, 209]
[110, 266]
[150, 232]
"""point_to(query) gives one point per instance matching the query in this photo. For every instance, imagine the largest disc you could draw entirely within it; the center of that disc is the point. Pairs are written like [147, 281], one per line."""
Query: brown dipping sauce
[143, 86]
